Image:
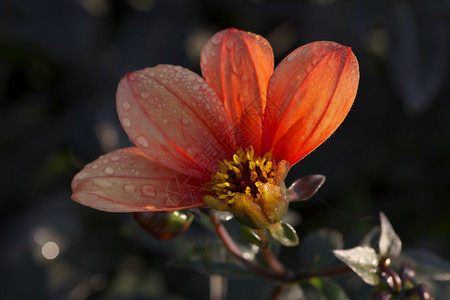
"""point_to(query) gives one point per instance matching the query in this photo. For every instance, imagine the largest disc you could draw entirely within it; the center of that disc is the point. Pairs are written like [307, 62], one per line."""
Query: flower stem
[277, 272]
[237, 253]
[270, 258]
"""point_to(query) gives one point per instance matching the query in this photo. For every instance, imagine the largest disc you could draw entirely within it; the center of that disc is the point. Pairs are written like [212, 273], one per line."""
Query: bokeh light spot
[50, 250]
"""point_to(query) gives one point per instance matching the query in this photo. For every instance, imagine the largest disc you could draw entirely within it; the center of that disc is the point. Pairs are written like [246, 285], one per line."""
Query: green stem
[268, 255]
[237, 253]
[275, 274]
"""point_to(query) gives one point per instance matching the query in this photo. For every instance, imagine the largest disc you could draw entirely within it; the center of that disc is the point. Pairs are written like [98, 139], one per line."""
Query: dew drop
[196, 87]
[94, 167]
[108, 170]
[115, 158]
[148, 190]
[215, 40]
[142, 141]
[190, 151]
[81, 175]
[126, 122]
[230, 44]
[145, 95]
[126, 105]
[129, 188]
[185, 121]
[102, 183]
[191, 77]
[132, 77]
[291, 57]
[137, 172]
[165, 121]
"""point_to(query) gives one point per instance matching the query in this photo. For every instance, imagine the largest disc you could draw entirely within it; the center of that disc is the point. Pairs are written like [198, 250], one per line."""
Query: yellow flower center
[244, 174]
[250, 187]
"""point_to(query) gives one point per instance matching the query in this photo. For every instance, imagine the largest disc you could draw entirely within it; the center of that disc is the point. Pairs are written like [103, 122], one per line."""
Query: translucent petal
[238, 65]
[172, 115]
[310, 93]
[127, 180]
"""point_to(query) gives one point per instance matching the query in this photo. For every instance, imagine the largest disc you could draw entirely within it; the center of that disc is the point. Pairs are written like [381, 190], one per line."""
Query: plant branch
[237, 253]
[275, 274]
[268, 255]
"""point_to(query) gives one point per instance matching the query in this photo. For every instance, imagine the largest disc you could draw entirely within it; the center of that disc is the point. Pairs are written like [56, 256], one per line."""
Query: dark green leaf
[311, 292]
[363, 261]
[250, 236]
[211, 258]
[284, 234]
[329, 288]
[316, 250]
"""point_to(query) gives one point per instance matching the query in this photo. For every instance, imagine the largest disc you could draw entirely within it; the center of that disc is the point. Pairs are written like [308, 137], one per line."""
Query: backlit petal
[127, 180]
[176, 118]
[310, 93]
[238, 65]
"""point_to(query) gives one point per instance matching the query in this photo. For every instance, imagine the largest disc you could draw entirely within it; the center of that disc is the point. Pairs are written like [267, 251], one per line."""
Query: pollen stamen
[244, 173]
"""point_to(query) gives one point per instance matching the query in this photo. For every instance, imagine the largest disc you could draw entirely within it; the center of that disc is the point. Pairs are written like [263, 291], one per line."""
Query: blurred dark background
[60, 62]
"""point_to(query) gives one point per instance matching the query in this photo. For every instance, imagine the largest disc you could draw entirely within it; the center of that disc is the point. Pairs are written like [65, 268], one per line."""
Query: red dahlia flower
[226, 140]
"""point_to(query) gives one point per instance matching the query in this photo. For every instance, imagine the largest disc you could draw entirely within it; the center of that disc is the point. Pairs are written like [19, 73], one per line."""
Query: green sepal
[250, 236]
[284, 234]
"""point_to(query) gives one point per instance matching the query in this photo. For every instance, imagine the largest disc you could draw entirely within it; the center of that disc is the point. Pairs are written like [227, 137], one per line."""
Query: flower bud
[164, 225]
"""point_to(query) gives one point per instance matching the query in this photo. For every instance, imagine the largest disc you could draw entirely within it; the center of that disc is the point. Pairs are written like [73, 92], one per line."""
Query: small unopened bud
[424, 292]
[407, 272]
[164, 225]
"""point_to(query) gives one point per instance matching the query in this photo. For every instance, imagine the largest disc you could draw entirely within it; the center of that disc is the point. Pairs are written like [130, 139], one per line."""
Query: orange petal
[127, 180]
[172, 115]
[310, 93]
[238, 65]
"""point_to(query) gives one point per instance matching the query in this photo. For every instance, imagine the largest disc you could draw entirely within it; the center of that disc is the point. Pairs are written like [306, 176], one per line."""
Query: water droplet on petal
[291, 57]
[196, 87]
[102, 183]
[129, 188]
[81, 175]
[165, 121]
[126, 122]
[115, 158]
[215, 40]
[142, 141]
[94, 167]
[132, 76]
[148, 190]
[185, 121]
[126, 105]
[230, 44]
[137, 172]
[145, 95]
[190, 151]
[108, 170]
